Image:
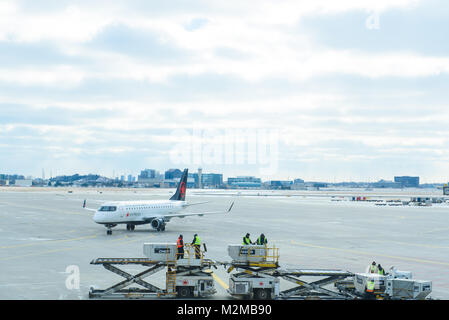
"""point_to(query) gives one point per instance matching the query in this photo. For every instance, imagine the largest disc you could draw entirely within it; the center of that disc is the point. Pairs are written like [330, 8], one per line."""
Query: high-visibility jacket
[373, 269]
[180, 243]
[246, 241]
[382, 271]
[261, 242]
[370, 286]
[197, 241]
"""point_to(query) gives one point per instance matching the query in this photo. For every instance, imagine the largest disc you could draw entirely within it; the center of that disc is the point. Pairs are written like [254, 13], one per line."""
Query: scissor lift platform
[258, 276]
[313, 288]
[185, 277]
[118, 290]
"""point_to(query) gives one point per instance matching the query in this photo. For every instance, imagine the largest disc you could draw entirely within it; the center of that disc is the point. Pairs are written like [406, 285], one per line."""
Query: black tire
[184, 292]
[262, 294]
[109, 232]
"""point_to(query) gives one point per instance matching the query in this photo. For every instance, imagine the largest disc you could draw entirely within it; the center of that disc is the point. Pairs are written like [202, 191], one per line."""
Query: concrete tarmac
[46, 237]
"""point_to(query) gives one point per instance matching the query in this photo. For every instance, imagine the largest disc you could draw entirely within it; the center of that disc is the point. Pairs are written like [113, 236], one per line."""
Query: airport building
[8, 179]
[173, 174]
[24, 182]
[385, 184]
[244, 182]
[208, 180]
[279, 184]
[407, 182]
[149, 178]
[148, 174]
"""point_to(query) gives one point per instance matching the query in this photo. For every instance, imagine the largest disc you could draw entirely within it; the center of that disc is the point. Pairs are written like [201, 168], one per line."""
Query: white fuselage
[136, 212]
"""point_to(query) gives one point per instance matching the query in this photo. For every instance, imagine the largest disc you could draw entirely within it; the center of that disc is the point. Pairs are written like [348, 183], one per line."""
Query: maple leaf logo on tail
[180, 193]
[182, 190]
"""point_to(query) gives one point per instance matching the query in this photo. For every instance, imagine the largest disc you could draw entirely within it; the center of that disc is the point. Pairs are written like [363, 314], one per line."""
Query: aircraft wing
[194, 204]
[187, 214]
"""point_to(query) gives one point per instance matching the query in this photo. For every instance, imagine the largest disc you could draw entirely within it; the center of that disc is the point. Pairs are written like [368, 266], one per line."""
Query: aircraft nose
[97, 216]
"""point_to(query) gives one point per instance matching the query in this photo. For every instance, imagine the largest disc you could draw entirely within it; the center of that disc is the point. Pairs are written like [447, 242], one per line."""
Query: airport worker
[247, 240]
[262, 240]
[197, 244]
[380, 270]
[370, 286]
[373, 268]
[180, 246]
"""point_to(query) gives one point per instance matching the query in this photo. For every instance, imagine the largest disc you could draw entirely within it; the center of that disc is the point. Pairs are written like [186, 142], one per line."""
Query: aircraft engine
[158, 223]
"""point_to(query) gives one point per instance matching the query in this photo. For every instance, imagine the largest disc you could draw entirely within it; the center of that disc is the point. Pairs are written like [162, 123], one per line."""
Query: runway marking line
[219, 281]
[371, 254]
[410, 244]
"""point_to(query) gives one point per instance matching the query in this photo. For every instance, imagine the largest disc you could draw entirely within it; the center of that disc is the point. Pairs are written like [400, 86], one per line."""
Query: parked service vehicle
[394, 285]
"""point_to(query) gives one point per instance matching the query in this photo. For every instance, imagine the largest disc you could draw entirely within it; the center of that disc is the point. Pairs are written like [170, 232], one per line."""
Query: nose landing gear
[109, 226]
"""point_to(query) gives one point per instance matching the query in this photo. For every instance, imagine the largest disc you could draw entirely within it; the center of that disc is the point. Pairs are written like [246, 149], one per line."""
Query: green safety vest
[259, 241]
[246, 241]
[370, 286]
[373, 269]
[197, 241]
[382, 271]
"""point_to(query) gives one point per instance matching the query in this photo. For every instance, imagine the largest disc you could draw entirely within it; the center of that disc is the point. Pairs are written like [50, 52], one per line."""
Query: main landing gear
[130, 227]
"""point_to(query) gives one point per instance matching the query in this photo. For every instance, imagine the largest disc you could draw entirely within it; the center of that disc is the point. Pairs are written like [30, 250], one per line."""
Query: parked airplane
[156, 212]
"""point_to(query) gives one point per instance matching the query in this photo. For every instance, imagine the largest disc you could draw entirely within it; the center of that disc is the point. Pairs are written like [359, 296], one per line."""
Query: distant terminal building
[208, 180]
[298, 184]
[244, 182]
[385, 184]
[24, 182]
[407, 182]
[148, 174]
[279, 184]
[8, 179]
[149, 177]
[173, 174]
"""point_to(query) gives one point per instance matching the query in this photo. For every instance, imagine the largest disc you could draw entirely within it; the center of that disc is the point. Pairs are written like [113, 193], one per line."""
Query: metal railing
[271, 254]
[190, 253]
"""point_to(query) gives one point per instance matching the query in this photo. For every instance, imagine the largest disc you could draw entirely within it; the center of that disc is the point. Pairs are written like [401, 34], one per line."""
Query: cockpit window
[108, 208]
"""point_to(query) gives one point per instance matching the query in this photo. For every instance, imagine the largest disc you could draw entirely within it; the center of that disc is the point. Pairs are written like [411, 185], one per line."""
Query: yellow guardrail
[271, 256]
[190, 254]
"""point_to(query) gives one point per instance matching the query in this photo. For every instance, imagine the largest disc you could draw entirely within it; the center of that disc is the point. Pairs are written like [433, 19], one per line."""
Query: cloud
[143, 44]
[419, 29]
[17, 55]
[102, 86]
[195, 24]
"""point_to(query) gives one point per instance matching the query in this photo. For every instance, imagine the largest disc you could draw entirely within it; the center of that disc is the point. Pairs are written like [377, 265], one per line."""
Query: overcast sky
[350, 89]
